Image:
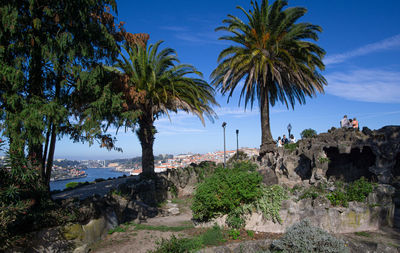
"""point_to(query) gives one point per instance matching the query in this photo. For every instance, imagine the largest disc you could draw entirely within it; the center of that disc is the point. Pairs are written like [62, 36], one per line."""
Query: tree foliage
[273, 55]
[52, 82]
[160, 85]
[308, 133]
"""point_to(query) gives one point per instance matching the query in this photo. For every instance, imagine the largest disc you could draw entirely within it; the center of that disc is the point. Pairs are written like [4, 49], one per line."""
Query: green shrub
[234, 234]
[71, 185]
[302, 237]
[359, 190]
[313, 192]
[338, 198]
[21, 198]
[355, 191]
[225, 190]
[270, 202]
[235, 219]
[291, 146]
[308, 133]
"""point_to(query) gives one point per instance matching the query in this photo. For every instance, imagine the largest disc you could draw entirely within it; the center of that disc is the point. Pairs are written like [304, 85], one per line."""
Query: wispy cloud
[173, 129]
[200, 37]
[389, 43]
[367, 85]
[174, 28]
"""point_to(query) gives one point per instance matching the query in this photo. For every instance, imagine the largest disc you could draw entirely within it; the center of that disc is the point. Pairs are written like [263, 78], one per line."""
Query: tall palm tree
[161, 85]
[274, 56]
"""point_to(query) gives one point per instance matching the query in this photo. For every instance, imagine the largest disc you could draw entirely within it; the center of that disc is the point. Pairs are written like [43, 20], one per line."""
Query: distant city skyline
[362, 41]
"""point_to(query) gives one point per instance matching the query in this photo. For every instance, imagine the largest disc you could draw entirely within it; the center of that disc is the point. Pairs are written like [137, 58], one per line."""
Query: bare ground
[141, 241]
[135, 240]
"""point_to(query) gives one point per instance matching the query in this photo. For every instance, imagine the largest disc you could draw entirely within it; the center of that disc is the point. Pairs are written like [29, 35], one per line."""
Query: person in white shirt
[279, 142]
[345, 123]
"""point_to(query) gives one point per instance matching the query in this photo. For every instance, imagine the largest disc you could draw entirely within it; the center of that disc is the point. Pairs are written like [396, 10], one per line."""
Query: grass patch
[212, 236]
[117, 229]
[291, 146]
[363, 233]
[162, 228]
[324, 160]
[250, 233]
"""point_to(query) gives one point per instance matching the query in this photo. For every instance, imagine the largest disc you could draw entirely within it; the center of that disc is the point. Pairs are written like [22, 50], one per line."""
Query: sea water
[92, 174]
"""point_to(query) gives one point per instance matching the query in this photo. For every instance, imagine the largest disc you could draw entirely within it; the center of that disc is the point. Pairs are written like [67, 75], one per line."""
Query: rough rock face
[135, 200]
[186, 179]
[339, 154]
[357, 217]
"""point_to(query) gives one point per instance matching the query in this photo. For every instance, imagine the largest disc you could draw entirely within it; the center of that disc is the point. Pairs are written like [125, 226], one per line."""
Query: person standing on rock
[284, 140]
[279, 142]
[344, 123]
[355, 124]
[292, 139]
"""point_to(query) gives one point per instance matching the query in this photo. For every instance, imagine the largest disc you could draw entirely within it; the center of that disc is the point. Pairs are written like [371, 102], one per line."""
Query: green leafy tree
[274, 56]
[308, 133]
[52, 82]
[163, 85]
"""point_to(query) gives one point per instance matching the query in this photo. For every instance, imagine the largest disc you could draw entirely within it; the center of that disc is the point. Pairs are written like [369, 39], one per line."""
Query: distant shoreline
[69, 178]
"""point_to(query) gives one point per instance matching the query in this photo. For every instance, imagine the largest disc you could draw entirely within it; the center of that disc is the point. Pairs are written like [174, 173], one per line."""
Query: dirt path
[136, 239]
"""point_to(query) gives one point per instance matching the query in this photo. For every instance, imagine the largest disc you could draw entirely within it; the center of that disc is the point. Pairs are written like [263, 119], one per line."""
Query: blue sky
[362, 41]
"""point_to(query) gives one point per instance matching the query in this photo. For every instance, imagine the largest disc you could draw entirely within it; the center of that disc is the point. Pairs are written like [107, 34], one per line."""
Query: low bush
[313, 191]
[355, 191]
[234, 234]
[291, 146]
[270, 202]
[302, 237]
[359, 190]
[343, 194]
[225, 190]
[338, 198]
[235, 219]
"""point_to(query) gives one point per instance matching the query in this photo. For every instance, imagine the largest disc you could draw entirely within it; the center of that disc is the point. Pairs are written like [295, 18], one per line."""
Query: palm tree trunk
[267, 142]
[146, 133]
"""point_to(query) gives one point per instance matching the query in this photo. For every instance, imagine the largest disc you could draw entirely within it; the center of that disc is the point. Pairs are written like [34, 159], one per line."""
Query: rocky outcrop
[184, 181]
[358, 216]
[131, 201]
[339, 154]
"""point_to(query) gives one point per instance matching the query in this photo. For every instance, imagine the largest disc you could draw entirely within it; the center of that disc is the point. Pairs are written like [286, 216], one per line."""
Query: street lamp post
[289, 128]
[237, 144]
[223, 126]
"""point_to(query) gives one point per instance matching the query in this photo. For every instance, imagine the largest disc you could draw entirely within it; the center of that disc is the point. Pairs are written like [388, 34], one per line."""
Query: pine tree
[52, 81]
